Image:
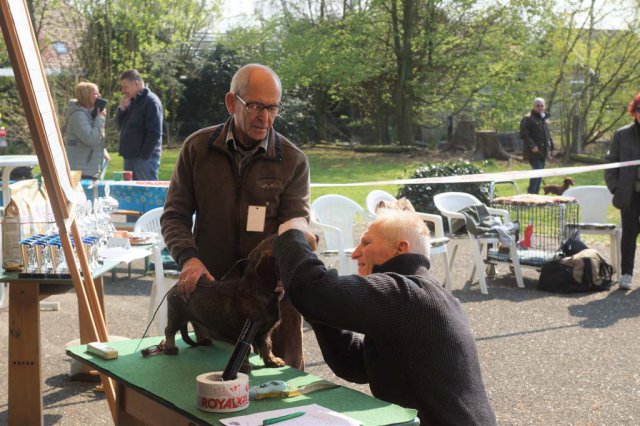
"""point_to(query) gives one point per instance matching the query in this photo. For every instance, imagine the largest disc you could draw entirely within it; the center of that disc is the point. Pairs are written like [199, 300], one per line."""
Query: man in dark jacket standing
[139, 119]
[393, 325]
[537, 144]
[242, 179]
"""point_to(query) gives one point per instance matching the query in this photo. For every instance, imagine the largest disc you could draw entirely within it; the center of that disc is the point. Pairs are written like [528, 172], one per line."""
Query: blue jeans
[144, 168]
[534, 183]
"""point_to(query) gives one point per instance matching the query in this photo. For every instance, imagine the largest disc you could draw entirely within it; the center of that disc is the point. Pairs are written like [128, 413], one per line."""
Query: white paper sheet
[315, 415]
[123, 255]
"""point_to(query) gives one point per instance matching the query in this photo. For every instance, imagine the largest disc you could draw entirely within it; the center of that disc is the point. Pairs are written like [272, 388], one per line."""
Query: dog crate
[542, 227]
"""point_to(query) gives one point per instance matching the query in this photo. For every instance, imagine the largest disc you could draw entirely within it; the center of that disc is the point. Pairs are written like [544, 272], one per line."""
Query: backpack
[583, 272]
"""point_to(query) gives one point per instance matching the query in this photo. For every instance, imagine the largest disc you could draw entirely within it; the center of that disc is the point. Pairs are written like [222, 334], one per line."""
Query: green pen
[282, 418]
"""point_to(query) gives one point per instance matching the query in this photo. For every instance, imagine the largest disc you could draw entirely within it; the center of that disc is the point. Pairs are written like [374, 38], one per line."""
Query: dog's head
[400, 204]
[568, 181]
[263, 263]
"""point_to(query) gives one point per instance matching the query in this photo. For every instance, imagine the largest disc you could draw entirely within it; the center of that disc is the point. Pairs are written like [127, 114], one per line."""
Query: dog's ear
[267, 272]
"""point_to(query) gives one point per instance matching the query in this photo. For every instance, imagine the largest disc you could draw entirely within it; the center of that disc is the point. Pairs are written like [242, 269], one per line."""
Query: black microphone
[240, 350]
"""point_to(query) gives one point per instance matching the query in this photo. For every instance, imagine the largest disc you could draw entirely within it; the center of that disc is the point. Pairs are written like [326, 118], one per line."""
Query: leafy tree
[202, 101]
[161, 39]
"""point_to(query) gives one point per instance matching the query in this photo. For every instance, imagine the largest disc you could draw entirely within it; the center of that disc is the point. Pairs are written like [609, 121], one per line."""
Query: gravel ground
[546, 359]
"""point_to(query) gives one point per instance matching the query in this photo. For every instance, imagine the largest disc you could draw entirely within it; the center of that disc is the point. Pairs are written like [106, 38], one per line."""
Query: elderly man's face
[251, 127]
[372, 250]
[539, 107]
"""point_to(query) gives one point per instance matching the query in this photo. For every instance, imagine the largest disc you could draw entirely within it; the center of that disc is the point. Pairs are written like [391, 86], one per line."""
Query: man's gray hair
[536, 100]
[131, 75]
[241, 78]
[397, 225]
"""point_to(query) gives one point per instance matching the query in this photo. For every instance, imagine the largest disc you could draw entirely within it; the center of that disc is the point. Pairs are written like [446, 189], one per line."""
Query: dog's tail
[185, 336]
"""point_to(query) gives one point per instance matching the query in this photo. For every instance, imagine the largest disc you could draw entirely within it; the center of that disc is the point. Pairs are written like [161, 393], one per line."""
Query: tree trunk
[463, 137]
[319, 101]
[488, 146]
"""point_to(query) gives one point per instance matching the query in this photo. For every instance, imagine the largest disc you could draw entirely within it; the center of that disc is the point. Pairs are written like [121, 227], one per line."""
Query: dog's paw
[274, 361]
[245, 368]
[173, 350]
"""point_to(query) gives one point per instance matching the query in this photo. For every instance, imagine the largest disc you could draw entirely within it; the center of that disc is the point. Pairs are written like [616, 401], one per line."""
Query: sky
[237, 11]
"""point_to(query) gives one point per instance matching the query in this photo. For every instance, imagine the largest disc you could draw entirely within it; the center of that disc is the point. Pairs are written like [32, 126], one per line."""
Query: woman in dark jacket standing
[84, 139]
[624, 184]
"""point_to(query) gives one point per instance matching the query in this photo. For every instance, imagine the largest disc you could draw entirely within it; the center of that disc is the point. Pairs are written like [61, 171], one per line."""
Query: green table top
[171, 381]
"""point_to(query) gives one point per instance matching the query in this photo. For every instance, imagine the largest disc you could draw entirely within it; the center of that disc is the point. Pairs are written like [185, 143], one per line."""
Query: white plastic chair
[150, 222]
[438, 240]
[335, 215]
[594, 201]
[449, 204]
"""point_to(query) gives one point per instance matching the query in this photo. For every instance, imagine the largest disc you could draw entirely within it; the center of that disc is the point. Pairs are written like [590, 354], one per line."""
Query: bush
[421, 195]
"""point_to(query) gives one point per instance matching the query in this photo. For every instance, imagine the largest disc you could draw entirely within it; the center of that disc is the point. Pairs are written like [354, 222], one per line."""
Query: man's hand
[124, 103]
[301, 224]
[535, 150]
[192, 270]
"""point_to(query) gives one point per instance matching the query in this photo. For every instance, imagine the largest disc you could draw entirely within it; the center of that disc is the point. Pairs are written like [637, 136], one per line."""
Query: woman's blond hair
[84, 92]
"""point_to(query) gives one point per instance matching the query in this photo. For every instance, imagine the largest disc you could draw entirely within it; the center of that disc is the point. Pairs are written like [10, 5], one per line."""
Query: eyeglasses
[638, 109]
[539, 106]
[256, 107]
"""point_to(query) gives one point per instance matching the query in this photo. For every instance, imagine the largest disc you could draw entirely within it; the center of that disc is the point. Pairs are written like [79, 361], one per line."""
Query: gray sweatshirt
[84, 139]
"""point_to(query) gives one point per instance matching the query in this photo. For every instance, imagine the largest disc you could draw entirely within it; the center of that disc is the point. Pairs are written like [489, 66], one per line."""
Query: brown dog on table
[219, 309]
[558, 189]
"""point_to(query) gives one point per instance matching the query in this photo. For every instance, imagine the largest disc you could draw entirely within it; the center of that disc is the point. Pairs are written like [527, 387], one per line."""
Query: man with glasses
[537, 144]
[241, 179]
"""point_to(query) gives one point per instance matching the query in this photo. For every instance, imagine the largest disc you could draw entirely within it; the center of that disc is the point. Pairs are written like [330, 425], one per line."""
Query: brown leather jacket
[205, 181]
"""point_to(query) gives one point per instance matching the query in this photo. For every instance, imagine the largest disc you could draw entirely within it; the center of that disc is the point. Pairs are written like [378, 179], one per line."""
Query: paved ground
[546, 359]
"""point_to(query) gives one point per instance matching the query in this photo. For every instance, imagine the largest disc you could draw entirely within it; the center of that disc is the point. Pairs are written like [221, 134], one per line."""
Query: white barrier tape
[220, 396]
[489, 177]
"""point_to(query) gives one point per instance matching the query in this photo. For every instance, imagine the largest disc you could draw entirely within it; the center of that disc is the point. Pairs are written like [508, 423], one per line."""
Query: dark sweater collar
[405, 264]
[142, 94]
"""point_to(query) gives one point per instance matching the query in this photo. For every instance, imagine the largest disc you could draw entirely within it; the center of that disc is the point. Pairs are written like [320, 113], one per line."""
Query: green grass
[330, 165]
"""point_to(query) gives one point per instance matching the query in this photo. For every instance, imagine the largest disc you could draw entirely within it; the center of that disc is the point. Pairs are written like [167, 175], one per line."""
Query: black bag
[573, 244]
[585, 272]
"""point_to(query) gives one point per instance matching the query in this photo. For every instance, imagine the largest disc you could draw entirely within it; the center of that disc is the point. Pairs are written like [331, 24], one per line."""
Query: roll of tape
[220, 396]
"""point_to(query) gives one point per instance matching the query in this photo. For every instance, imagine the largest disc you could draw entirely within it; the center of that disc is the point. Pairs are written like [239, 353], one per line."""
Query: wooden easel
[47, 140]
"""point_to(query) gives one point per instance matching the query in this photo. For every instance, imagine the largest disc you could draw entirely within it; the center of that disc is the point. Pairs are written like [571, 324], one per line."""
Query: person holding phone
[84, 136]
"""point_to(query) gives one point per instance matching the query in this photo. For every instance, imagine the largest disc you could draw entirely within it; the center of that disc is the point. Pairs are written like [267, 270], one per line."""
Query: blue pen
[282, 418]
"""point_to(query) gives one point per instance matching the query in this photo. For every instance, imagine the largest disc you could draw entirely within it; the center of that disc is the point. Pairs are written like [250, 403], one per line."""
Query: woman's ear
[402, 247]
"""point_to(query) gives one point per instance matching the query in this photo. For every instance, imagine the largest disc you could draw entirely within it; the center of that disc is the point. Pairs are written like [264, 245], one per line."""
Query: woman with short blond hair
[84, 136]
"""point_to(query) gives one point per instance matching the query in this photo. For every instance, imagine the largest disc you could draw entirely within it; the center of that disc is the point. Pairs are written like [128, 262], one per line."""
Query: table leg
[85, 333]
[85, 373]
[25, 376]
